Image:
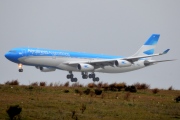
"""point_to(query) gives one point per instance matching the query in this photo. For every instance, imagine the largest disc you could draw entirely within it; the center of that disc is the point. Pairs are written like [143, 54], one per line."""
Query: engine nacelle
[47, 69]
[148, 62]
[85, 67]
[122, 63]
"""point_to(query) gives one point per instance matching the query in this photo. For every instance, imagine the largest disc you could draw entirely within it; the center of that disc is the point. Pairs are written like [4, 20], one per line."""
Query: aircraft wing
[111, 61]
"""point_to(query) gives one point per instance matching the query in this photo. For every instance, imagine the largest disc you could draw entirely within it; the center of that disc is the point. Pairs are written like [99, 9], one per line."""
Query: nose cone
[7, 55]
[12, 57]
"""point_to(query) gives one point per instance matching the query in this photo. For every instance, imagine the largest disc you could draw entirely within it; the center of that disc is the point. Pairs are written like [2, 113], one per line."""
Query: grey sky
[115, 27]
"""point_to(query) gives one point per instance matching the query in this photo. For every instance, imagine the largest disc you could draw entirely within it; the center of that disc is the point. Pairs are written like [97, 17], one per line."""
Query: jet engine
[122, 63]
[85, 67]
[148, 62]
[46, 69]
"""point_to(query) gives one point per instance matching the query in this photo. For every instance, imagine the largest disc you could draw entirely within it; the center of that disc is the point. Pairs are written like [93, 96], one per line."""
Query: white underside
[59, 63]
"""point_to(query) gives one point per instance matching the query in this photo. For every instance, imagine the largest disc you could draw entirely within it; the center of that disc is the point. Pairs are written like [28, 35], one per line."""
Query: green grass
[51, 103]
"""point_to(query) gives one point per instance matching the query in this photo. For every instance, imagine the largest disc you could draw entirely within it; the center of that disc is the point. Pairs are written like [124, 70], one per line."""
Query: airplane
[47, 60]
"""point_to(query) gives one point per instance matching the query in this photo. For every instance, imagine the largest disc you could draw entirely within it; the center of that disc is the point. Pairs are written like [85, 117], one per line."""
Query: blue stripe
[149, 52]
[62, 53]
[152, 40]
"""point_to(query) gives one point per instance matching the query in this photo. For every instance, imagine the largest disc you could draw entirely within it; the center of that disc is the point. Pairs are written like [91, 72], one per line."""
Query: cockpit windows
[12, 51]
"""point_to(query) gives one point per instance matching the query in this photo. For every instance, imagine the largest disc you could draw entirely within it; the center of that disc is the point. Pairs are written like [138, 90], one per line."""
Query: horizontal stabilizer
[163, 61]
[166, 51]
[135, 58]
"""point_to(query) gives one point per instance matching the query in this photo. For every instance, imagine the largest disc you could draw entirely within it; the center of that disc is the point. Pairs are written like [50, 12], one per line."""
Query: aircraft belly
[40, 60]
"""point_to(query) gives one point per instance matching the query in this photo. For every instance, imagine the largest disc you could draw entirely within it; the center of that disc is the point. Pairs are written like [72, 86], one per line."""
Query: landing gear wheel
[73, 79]
[84, 76]
[96, 79]
[90, 75]
[93, 75]
[20, 70]
[70, 76]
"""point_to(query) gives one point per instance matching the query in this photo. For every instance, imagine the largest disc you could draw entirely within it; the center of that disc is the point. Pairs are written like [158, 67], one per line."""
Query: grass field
[52, 103]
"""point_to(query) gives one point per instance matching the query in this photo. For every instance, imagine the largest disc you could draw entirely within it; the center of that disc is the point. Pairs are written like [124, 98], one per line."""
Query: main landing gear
[20, 67]
[93, 76]
[84, 76]
[71, 76]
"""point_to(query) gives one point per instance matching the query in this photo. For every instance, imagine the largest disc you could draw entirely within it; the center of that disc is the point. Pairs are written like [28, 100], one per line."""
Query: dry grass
[51, 103]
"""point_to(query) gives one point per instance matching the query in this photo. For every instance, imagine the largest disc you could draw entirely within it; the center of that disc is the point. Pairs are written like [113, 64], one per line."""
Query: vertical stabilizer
[149, 46]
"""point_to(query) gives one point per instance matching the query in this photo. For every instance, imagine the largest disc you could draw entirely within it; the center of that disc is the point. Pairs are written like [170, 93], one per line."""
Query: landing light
[19, 66]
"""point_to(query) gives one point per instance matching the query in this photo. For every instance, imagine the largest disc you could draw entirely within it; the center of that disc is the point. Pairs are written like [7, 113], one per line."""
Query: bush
[75, 84]
[120, 86]
[51, 85]
[87, 91]
[34, 84]
[177, 99]
[100, 85]
[66, 84]
[98, 91]
[76, 91]
[30, 87]
[13, 82]
[131, 88]
[141, 86]
[105, 86]
[92, 85]
[42, 84]
[170, 88]
[13, 111]
[66, 91]
[155, 90]
[112, 87]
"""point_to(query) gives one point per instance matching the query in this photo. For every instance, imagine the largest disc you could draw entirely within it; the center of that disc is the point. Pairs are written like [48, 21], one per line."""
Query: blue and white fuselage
[49, 60]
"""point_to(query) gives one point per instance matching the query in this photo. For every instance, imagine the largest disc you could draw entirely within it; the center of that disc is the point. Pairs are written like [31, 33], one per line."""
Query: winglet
[166, 51]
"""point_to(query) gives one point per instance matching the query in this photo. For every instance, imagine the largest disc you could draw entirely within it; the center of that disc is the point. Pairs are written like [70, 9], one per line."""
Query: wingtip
[166, 51]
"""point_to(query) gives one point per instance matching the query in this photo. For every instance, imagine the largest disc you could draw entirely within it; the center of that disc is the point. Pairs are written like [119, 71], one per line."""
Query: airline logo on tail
[149, 52]
[149, 46]
[152, 40]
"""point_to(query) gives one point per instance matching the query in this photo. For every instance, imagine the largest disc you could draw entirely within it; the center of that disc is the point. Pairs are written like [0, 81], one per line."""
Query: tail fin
[149, 46]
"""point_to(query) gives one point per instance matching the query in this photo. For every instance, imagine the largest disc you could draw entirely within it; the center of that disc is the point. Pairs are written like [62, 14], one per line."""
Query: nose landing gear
[20, 67]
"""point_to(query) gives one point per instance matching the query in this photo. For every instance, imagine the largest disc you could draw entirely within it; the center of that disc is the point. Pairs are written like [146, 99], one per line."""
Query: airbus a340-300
[49, 60]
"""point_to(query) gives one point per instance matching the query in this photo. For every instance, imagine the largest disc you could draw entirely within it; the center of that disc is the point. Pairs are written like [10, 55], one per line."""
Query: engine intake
[147, 63]
[122, 63]
[46, 69]
[85, 67]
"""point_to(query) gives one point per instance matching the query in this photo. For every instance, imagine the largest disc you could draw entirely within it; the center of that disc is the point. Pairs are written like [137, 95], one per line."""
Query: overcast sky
[114, 27]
